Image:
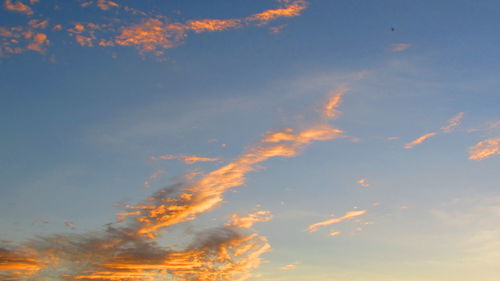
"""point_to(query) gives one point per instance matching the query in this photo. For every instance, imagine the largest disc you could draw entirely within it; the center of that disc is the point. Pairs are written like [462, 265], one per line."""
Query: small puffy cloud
[485, 149]
[419, 140]
[363, 183]
[18, 6]
[400, 47]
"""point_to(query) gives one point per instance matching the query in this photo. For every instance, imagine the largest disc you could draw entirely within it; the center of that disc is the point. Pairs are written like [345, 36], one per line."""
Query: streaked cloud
[485, 149]
[248, 220]
[400, 47]
[347, 216]
[130, 250]
[330, 108]
[149, 34]
[101, 4]
[419, 140]
[452, 123]
[292, 8]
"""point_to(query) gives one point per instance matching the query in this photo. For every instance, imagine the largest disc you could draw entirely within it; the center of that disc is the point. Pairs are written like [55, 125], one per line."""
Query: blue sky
[80, 122]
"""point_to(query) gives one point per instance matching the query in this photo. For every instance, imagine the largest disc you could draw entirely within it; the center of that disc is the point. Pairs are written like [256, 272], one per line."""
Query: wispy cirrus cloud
[347, 216]
[146, 33]
[452, 123]
[419, 140]
[485, 149]
[248, 220]
[19, 6]
[130, 250]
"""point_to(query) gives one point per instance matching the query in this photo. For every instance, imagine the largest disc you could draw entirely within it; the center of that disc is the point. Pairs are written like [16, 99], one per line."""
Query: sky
[249, 140]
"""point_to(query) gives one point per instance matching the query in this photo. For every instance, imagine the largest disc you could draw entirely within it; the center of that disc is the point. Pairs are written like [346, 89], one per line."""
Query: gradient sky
[250, 140]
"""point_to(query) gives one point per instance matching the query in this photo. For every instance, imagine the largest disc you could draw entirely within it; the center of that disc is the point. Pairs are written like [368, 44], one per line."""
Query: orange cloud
[18, 6]
[347, 216]
[485, 149]
[452, 123]
[130, 250]
[400, 47]
[334, 233]
[151, 34]
[330, 109]
[15, 266]
[363, 183]
[248, 220]
[206, 193]
[211, 25]
[154, 35]
[291, 9]
[18, 39]
[156, 174]
[419, 140]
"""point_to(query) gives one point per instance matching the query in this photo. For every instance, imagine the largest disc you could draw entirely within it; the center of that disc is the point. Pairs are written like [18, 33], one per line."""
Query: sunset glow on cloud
[419, 140]
[484, 149]
[233, 140]
[347, 216]
[150, 35]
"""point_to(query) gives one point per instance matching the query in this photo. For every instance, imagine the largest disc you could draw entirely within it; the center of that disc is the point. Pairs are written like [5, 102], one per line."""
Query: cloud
[18, 6]
[130, 27]
[248, 220]
[329, 110]
[363, 183]
[130, 249]
[292, 8]
[187, 159]
[400, 47]
[291, 266]
[485, 149]
[452, 123]
[347, 216]
[157, 174]
[277, 29]
[419, 140]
